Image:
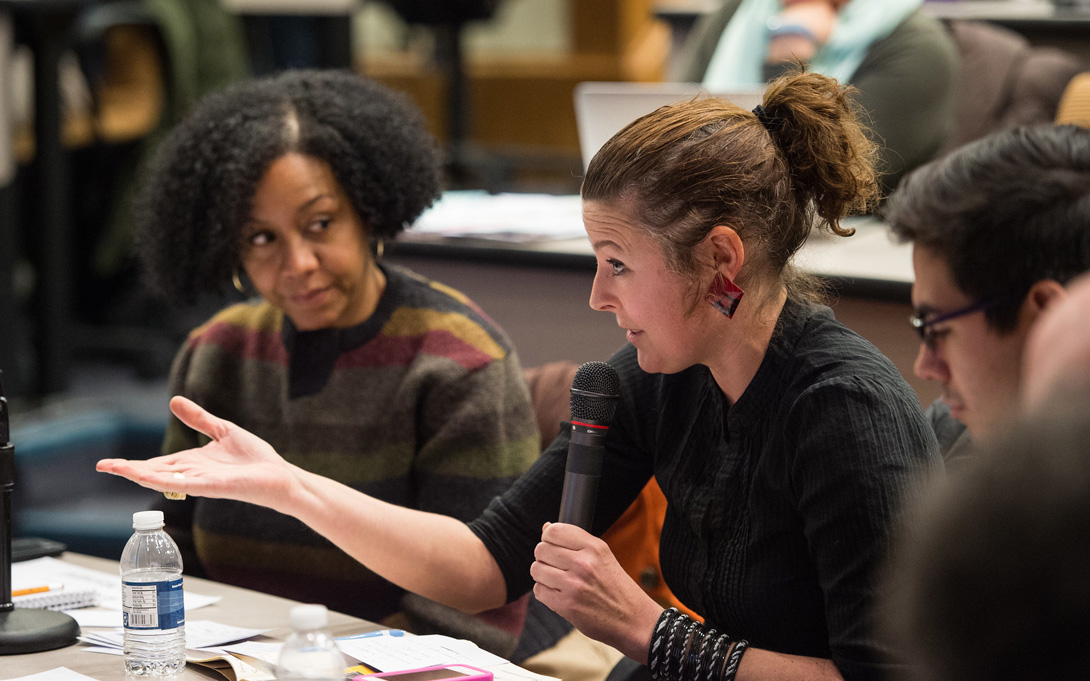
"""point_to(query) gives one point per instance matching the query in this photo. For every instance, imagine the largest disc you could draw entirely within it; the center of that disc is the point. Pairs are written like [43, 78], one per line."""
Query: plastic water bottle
[310, 653]
[151, 595]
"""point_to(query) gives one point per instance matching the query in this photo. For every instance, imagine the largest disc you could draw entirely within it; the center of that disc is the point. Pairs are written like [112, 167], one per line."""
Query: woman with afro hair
[358, 370]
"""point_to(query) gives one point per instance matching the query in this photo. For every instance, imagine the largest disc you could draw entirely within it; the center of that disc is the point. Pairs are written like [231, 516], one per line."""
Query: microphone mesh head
[601, 379]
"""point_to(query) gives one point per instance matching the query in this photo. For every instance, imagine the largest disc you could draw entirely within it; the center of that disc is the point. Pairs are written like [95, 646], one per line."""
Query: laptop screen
[603, 108]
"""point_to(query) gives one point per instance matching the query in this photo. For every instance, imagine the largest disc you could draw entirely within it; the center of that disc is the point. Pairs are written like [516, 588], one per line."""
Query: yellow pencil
[36, 590]
[359, 669]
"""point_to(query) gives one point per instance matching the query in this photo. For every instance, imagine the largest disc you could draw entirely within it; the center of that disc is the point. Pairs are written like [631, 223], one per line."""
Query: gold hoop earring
[236, 279]
[379, 248]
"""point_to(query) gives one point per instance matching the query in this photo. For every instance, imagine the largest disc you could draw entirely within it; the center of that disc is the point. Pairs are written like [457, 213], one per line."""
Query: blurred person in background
[990, 580]
[902, 63]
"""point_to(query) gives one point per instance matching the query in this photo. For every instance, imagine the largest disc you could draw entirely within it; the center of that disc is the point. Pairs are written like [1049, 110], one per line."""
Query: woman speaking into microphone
[784, 443]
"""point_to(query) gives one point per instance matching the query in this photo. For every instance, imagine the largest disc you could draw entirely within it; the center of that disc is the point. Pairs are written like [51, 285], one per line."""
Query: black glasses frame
[923, 326]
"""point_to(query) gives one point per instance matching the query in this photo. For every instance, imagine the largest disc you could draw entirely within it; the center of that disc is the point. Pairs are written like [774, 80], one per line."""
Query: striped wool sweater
[423, 405]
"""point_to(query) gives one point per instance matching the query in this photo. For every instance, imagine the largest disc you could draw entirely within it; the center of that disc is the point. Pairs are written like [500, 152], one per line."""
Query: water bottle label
[153, 605]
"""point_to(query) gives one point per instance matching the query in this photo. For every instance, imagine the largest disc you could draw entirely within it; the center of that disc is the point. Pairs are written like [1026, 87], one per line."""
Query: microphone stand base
[26, 630]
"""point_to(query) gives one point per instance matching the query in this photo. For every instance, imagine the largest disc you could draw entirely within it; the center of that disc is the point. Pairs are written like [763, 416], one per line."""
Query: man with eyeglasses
[998, 229]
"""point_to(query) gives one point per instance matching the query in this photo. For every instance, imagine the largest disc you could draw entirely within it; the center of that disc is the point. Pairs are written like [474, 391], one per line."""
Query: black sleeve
[851, 476]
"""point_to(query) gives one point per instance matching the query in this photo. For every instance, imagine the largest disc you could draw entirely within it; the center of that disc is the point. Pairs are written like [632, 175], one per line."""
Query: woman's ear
[725, 249]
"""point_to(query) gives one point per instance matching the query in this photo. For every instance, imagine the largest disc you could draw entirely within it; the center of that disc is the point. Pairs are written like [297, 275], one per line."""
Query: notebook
[68, 597]
[603, 108]
[60, 590]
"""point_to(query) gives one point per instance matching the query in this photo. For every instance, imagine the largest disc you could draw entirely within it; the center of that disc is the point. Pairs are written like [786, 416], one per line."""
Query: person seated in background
[991, 580]
[902, 63]
[999, 228]
[358, 370]
[784, 443]
[1057, 356]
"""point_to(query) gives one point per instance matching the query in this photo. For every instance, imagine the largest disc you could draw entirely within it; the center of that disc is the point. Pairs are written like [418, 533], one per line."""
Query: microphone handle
[582, 472]
[579, 498]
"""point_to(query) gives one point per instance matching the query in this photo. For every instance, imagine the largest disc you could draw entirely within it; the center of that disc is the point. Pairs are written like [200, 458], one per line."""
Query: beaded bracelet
[669, 657]
[658, 641]
[719, 652]
[733, 661]
[692, 650]
[681, 649]
[707, 639]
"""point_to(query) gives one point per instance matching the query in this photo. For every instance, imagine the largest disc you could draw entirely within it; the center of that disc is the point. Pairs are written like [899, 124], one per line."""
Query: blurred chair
[135, 69]
[1004, 81]
[1074, 105]
[121, 68]
[58, 495]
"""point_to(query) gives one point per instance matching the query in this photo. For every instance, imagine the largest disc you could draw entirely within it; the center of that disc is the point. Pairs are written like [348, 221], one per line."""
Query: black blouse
[780, 507]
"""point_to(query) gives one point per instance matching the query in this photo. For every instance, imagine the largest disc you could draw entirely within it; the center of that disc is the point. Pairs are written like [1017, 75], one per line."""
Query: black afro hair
[196, 193]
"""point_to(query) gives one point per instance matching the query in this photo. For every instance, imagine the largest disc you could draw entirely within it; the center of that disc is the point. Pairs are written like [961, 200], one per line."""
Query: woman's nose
[300, 257]
[600, 297]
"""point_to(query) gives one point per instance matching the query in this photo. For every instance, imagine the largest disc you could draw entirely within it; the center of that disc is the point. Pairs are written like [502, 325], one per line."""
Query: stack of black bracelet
[681, 650]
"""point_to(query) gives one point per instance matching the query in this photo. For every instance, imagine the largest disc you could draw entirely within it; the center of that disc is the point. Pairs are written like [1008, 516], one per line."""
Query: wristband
[673, 648]
[836, 4]
[682, 650]
[719, 653]
[777, 28]
[734, 659]
[658, 641]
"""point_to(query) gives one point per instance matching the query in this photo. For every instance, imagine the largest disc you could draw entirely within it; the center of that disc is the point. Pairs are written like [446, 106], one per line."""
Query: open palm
[236, 464]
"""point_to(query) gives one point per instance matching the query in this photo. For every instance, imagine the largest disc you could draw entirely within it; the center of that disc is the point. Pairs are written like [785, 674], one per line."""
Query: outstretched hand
[580, 579]
[236, 464]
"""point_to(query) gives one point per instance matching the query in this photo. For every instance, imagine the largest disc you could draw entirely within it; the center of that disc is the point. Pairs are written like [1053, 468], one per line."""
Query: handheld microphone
[594, 393]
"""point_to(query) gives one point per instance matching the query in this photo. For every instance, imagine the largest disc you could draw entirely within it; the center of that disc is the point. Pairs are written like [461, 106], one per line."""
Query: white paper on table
[49, 570]
[512, 672]
[89, 618]
[504, 217]
[266, 652]
[58, 674]
[103, 650]
[390, 654]
[107, 639]
[244, 666]
[198, 634]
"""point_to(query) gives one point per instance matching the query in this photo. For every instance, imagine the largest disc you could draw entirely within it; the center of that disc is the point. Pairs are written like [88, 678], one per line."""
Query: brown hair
[688, 167]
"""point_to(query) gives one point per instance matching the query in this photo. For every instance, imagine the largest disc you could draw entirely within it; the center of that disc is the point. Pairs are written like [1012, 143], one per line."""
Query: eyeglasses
[924, 327]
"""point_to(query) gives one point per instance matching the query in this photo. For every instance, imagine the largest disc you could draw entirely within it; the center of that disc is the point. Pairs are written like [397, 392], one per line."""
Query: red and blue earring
[724, 295]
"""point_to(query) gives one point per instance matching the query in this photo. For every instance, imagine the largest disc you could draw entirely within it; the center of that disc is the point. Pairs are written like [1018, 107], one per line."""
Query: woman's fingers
[198, 418]
[145, 473]
[566, 536]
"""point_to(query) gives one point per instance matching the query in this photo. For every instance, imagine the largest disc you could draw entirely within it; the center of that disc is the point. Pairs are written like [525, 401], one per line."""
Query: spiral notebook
[66, 591]
[68, 597]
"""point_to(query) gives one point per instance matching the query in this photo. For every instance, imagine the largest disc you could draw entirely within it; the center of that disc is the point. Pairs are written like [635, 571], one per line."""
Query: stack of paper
[514, 218]
[106, 590]
[380, 651]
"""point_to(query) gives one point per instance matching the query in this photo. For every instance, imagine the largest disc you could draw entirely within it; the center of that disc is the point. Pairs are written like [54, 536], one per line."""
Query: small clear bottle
[151, 595]
[310, 653]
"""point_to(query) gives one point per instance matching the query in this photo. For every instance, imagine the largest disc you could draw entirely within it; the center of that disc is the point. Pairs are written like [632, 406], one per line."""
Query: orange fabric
[634, 540]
